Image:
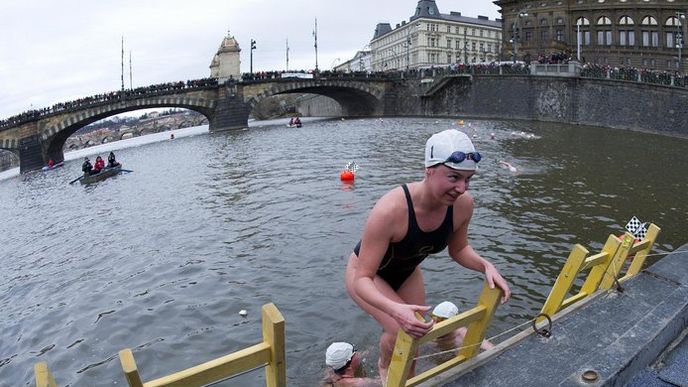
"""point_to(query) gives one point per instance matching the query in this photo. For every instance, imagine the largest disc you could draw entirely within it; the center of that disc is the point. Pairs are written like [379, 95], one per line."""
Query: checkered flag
[637, 228]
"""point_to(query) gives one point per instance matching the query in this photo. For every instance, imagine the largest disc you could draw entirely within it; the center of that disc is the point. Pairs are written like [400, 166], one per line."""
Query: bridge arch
[57, 130]
[355, 98]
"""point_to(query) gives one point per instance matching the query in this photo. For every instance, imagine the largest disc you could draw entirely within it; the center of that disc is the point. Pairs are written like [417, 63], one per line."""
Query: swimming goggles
[458, 157]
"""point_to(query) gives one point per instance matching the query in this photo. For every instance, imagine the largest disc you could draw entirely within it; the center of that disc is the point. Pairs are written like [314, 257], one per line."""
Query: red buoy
[346, 176]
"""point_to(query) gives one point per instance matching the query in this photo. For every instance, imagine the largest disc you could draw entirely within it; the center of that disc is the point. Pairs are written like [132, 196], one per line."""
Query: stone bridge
[577, 100]
[226, 107]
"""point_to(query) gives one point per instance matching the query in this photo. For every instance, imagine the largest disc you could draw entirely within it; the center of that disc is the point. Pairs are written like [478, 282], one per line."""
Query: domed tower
[227, 62]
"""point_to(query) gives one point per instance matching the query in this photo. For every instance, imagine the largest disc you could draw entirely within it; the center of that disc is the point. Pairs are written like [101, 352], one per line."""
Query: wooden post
[592, 283]
[273, 334]
[131, 372]
[639, 259]
[402, 359]
[489, 298]
[617, 261]
[44, 378]
[564, 281]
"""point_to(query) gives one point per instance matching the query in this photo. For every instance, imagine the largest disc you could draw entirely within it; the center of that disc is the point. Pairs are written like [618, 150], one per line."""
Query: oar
[126, 170]
[77, 179]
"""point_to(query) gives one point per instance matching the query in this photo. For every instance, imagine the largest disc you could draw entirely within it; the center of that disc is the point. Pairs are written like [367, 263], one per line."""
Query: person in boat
[297, 121]
[291, 121]
[112, 162]
[454, 339]
[407, 224]
[51, 163]
[99, 165]
[86, 167]
[342, 362]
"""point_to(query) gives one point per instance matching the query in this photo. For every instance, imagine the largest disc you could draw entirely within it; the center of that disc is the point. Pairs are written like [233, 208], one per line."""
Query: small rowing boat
[102, 175]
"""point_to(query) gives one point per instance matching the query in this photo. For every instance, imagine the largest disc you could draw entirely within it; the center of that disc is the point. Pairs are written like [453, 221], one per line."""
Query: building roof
[427, 9]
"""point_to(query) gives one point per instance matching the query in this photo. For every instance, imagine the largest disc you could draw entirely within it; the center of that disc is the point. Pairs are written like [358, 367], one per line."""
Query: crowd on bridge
[105, 98]
[589, 70]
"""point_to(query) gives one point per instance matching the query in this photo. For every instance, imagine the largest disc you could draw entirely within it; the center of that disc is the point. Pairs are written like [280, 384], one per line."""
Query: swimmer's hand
[405, 315]
[495, 279]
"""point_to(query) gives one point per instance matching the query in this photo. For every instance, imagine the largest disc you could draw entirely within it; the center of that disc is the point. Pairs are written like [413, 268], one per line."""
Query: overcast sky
[57, 51]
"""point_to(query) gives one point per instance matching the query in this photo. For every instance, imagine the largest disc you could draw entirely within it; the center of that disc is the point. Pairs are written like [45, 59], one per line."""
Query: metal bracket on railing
[544, 332]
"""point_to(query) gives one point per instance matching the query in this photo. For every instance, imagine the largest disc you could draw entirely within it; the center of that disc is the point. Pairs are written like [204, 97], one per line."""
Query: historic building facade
[639, 33]
[431, 38]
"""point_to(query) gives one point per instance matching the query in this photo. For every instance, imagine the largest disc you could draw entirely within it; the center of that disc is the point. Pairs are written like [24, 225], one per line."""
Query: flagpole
[122, 63]
[287, 54]
[315, 34]
[131, 84]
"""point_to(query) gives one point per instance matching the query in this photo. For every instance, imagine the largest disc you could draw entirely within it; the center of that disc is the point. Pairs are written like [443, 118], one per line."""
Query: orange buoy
[346, 176]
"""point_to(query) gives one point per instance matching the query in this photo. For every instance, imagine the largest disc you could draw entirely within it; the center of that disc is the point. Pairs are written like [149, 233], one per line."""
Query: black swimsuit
[401, 258]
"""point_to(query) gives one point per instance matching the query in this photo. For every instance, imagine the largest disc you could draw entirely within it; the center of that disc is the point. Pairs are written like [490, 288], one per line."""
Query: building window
[670, 43]
[582, 21]
[586, 38]
[449, 42]
[627, 38]
[604, 21]
[449, 29]
[604, 38]
[650, 39]
[458, 44]
[449, 58]
[649, 21]
[544, 36]
[528, 36]
[473, 46]
[544, 22]
[560, 20]
[626, 21]
[560, 35]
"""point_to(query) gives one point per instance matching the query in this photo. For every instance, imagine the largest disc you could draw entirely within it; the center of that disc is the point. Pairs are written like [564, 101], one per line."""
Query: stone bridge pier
[231, 112]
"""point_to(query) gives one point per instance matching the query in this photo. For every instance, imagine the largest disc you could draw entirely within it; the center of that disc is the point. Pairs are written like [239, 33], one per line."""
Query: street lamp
[253, 47]
[679, 36]
[408, 43]
[516, 30]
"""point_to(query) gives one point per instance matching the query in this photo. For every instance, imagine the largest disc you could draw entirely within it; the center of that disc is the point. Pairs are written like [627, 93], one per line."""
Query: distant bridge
[226, 106]
[468, 92]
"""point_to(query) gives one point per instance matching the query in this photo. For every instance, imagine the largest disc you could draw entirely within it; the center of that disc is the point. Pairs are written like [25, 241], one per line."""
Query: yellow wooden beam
[595, 260]
[617, 261]
[216, 369]
[269, 353]
[489, 299]
[402, 359]
[44, 378]
[570, 301]
[597, 273]
[274, 337]
[564, 281]
[639, 260]
[440, 368]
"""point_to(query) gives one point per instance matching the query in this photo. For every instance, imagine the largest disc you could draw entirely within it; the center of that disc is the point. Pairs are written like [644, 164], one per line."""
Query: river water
[161, 260]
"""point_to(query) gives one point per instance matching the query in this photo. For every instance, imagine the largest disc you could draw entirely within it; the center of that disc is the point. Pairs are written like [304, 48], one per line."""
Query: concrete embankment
[608, 340]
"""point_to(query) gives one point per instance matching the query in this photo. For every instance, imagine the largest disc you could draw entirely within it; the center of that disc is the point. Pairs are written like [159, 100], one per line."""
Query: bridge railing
[108, 98]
